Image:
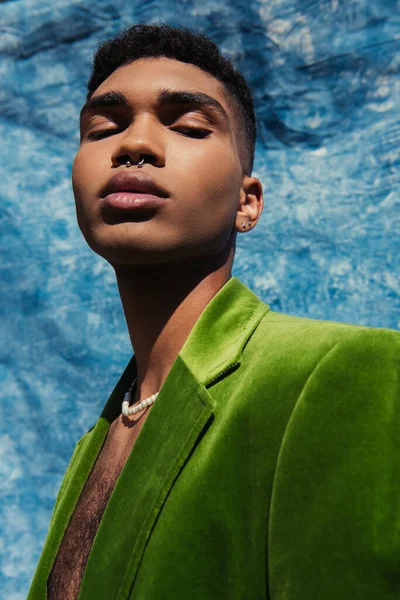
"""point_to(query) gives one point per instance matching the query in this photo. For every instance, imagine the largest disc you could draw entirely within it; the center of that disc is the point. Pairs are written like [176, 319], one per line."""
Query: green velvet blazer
[269, 467]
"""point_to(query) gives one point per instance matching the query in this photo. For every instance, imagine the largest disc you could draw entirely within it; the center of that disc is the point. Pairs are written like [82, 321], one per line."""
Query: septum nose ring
[140, 163]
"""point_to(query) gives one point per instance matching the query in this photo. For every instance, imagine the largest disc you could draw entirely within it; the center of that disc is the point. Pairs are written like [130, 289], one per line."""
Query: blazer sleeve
[334, 528]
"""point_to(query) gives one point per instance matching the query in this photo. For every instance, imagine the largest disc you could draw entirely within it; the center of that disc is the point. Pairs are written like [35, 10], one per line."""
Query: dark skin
[171, 261]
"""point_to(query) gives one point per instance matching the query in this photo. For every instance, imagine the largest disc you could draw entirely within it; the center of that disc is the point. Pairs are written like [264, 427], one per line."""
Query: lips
[133, 192]
[134, 182]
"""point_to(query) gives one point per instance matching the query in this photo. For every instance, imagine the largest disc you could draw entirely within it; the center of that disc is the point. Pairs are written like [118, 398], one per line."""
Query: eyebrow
[168, 96]
[165, 96]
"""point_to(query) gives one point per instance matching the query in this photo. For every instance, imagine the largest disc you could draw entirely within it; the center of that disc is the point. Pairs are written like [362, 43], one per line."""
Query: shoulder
[354, 381]
[294, 332]
[298, 350]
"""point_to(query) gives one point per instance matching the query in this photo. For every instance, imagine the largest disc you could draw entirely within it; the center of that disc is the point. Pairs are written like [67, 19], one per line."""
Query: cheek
[209, 192]
[215, 179]
[79, 176]
[85, 168]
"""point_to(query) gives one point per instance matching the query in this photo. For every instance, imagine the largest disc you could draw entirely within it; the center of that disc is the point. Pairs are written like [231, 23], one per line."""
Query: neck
[161, 305]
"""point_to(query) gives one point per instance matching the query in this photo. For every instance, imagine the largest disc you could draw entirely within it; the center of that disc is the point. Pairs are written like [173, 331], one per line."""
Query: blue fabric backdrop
[325, 75]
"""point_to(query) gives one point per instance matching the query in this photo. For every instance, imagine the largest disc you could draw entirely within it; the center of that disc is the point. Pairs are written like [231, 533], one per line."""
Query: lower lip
[133, 201]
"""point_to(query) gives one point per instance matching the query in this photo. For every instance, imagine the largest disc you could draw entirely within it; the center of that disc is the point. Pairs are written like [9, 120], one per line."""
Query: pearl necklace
[126, 410]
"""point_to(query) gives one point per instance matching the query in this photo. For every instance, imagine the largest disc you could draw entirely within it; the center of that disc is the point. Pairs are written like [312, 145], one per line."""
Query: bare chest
[69, 567]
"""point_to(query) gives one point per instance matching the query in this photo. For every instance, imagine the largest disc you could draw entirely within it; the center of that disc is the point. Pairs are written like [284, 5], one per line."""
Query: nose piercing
[140, 163]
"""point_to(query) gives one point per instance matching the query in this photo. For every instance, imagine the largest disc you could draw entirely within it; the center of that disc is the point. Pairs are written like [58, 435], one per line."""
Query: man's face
[191, 152]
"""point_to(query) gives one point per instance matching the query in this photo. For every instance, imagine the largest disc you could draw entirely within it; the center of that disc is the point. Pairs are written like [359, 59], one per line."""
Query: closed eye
[101, 133]
[195, 132]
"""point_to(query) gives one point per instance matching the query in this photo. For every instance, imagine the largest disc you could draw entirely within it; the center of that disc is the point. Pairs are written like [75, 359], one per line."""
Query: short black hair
[161, 40]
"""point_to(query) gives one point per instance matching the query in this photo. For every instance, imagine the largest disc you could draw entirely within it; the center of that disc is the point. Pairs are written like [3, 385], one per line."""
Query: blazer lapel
[169, 434]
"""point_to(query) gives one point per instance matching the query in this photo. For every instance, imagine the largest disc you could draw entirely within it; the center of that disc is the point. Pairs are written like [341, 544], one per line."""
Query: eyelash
[199, 133]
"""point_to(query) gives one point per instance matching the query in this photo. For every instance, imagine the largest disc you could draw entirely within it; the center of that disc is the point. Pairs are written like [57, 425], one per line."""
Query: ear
[251, 204]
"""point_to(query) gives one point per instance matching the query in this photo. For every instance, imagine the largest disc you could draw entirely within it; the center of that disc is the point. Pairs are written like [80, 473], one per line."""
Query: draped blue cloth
[326, 85]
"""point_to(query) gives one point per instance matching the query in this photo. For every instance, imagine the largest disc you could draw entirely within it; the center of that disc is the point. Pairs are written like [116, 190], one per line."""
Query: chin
[121, 252]
[119, 246]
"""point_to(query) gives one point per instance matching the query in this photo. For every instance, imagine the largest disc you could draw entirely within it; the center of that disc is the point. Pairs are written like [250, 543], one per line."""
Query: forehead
[145, 77]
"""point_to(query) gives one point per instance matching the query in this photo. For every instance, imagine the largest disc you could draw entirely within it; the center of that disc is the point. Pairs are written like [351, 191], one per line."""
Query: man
[243, 454]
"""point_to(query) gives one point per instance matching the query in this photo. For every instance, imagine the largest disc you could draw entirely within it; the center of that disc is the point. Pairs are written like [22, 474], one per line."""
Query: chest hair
[69, 566]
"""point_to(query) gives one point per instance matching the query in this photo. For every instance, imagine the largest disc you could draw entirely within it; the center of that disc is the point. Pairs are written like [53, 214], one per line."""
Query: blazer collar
[219, 336]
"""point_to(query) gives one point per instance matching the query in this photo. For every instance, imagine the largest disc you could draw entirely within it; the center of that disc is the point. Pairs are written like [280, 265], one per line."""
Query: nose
[141, 138]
